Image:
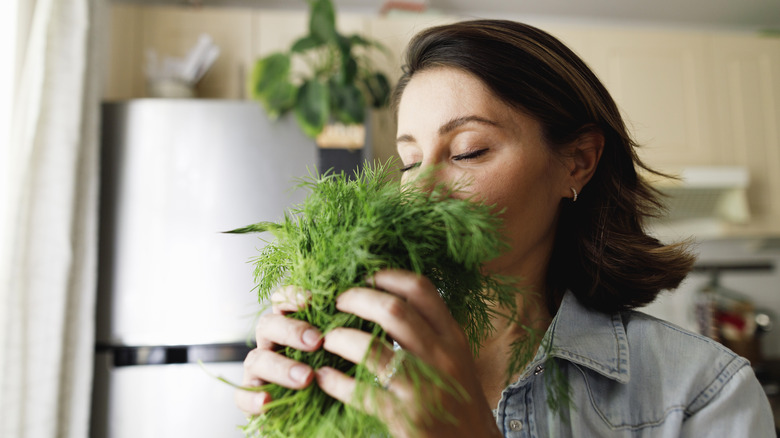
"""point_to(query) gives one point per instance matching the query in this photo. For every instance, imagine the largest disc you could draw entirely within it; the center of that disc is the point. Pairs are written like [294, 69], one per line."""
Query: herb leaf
[348, 229]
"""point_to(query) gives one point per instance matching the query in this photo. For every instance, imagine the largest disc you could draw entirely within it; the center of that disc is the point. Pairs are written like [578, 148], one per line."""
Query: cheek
[528, 204]
[497, 189]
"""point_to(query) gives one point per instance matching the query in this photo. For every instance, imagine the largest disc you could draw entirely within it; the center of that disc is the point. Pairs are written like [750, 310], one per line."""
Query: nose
[431, 175]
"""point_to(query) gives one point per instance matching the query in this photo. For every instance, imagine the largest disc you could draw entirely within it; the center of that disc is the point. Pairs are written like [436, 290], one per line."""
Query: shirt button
[515, 425]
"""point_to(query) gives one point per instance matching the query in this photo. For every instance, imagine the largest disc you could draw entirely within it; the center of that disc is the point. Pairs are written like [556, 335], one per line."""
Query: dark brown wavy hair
[602, 253]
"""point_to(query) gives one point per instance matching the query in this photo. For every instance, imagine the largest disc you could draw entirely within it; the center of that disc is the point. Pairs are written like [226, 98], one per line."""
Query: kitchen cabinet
[575, 36]
[697, 99]
[172, 31]
[746, 70]
[662, 84]
[243, 35]
[691, 98]
[123, 54]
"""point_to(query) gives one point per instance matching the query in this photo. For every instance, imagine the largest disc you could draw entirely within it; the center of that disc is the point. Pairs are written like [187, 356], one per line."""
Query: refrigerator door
[164, 401]
[176, 173]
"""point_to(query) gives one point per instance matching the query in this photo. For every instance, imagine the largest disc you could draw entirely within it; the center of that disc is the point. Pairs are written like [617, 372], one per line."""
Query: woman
[510, 109]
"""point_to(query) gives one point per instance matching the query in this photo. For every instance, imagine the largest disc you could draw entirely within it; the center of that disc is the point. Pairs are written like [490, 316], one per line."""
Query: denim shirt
[632, 375]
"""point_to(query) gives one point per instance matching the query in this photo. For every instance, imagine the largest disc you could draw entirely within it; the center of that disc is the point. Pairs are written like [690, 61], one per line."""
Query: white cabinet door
[661, 83]
[747, 88]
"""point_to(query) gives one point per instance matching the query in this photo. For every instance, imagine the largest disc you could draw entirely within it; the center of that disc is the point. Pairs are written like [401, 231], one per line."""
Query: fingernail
[340, 299]
[258, 400]
[311, 337]
[299, 373]
[321, 373]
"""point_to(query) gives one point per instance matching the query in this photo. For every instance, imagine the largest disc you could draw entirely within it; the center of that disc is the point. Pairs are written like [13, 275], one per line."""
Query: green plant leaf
[378, 89]
[269, 72]
[358, 40]
[280, 99]
[347, 71]
[347, 102]
[330, 59]
[345, 45]
[312, 107]
[306, 43]
[322, 21]
[348, 65]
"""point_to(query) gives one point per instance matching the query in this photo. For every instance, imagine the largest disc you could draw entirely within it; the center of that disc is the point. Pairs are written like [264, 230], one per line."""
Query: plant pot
[344, 148]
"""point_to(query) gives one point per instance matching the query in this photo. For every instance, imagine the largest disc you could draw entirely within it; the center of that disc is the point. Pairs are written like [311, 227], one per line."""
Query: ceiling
[736, 14]
[725, 13]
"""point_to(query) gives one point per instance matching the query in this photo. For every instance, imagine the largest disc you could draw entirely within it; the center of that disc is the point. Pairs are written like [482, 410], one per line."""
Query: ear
[583, 157]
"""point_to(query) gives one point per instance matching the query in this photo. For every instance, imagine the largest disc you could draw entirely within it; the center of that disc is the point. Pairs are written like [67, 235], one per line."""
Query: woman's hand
[264, 365]
[411, 311]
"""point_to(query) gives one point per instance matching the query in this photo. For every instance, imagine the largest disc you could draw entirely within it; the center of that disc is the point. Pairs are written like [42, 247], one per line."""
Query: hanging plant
[341, 81]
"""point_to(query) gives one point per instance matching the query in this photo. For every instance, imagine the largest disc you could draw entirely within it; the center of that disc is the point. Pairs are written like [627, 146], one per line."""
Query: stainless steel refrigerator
[174, 290]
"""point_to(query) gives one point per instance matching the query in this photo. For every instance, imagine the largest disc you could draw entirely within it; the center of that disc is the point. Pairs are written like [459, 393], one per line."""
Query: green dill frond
[557, 387]
[348, 229]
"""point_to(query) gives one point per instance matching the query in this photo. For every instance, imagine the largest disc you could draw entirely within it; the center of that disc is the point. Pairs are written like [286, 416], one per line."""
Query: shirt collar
[589, 338]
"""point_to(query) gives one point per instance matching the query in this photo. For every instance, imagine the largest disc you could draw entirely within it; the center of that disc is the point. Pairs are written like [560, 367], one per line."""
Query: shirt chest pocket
[634, 408]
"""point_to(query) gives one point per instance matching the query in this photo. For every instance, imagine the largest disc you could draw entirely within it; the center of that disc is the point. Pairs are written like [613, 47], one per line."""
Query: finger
[249, 402]
[356, 346]
[374, 401]
[400, 320]
[272, 367]
[288, 299]
[420, 293]
[336, 384]
[273, 329]
[342, 387]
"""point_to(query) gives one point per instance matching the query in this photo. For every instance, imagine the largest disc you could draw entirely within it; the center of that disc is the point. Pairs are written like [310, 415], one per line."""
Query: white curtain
[49, 235]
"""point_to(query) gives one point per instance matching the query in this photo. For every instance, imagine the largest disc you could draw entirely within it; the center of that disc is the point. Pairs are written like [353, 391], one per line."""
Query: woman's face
[449, 119]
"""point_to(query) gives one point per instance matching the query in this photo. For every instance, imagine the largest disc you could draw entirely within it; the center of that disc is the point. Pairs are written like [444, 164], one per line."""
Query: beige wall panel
[274, 31]
[123, 76]
[662, 85]
[747, 72]
[396, 32]
[174, 30]
[576, 37]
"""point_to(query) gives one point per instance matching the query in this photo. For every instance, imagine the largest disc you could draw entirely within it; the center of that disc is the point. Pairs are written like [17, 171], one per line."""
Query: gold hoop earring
[574, 198]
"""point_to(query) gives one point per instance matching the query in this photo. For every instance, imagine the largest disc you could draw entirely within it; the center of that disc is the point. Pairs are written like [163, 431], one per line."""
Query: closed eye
[470, 155]
[409, 167]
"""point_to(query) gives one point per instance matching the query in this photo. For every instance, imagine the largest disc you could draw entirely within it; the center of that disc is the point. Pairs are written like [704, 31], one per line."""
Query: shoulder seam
[714, 387]
[683, 331]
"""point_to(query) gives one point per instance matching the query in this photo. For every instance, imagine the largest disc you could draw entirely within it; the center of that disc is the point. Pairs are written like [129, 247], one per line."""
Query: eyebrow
[450, 126]
[460, 121]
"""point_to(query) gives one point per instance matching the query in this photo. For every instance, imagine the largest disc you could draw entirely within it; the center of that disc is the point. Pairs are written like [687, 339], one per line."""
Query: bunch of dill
[346, 230]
